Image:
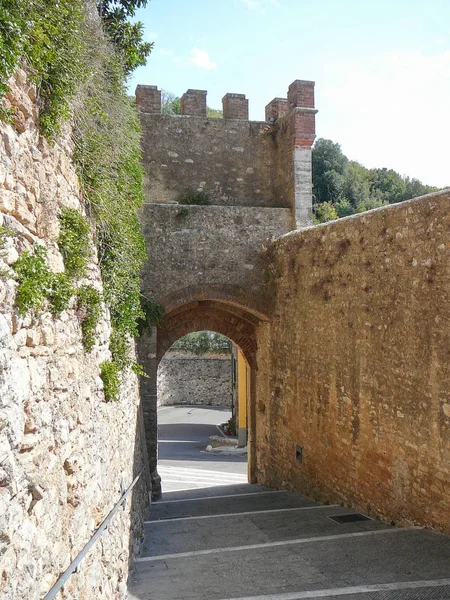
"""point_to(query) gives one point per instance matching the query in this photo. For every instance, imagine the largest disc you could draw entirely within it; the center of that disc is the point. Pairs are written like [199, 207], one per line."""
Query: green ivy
[152, 314]
[111, 377]
[48, 35]
[74, 241]
[89, 303]
[69, 55]
[60, 292]
[38, 284]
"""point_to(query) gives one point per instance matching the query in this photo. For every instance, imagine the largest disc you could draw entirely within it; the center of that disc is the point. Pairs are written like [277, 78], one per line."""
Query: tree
[171, 105]
[126, 36]
[328, 163]
[342, 187]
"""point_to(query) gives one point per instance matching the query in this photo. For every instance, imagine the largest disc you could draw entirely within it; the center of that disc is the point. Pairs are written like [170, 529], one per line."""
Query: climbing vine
[47, 36]
[74, 241]
[81, 73]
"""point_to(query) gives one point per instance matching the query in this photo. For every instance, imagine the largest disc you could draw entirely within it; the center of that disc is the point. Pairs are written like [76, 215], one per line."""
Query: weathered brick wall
[64, 452]
[355, 367]
[192, 379]
[228, 159]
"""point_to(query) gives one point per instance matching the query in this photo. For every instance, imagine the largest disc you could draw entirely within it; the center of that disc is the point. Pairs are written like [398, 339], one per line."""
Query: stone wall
[209, 252]
[66, 455]
[228, 159]
[192, 379]
[354, 368]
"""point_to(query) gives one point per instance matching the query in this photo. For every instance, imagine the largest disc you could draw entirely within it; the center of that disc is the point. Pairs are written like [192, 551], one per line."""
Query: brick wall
[355, 365]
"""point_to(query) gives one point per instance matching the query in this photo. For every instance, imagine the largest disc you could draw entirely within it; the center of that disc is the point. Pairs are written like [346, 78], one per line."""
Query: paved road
[221, 539]
[183, 463]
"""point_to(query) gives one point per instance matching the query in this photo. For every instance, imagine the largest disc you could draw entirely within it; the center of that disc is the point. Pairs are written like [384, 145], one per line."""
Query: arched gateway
[217, 190]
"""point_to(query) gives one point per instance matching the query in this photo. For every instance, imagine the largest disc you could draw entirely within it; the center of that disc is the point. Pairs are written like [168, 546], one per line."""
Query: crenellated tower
[236, 162]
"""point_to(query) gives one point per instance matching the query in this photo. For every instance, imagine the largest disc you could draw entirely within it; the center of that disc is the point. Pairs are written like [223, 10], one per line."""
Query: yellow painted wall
[242, 381]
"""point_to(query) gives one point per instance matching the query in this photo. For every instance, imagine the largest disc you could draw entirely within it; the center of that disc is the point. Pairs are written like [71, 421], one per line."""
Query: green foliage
[89, 303]
[343, 187]
[230, 427]
[32, 275]
[214, 113]
[38, 284]
[74, 241]
[111, 377]
[6, 114]
[196, 198]
[47, 34]
[152, 314]
[126, 36]
[324, 212]
[5, 232]
[203, 342]
[171, 105]
[59, 293]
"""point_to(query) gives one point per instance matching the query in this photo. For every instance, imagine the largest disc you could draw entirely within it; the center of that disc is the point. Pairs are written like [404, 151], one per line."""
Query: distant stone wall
[191, 379]
[354, 367]
[65, 454]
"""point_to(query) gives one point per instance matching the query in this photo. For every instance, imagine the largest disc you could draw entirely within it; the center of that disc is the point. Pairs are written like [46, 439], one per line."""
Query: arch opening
[232, 320]
[202, 395]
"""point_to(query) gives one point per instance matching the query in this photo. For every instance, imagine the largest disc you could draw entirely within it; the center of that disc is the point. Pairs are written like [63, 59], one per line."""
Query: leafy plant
[196, 198]
[152, 314]
[126, 36]
[89, 303]
[74, 241]
[230, 427]
[38, 284]
[47, 34]
[33, 278]
[111, 377]
[5, 232]
[6, 115]
[59, 293]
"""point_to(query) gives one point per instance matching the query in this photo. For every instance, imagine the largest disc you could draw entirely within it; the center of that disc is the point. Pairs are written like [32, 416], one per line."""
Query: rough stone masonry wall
[192, 379]
[65, 454]
[208, 252]
[231, 160]
[355, 367]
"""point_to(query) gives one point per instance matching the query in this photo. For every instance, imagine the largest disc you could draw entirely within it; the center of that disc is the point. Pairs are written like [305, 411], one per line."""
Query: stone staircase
[249, 543]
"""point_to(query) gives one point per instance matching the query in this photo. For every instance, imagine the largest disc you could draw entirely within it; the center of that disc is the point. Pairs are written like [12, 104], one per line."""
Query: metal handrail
[74, 564]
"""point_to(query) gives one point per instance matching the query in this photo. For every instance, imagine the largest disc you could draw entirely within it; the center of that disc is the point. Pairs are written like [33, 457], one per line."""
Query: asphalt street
[215, 537]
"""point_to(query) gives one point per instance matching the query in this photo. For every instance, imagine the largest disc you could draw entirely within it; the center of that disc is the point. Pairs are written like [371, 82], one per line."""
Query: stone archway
[237, 323]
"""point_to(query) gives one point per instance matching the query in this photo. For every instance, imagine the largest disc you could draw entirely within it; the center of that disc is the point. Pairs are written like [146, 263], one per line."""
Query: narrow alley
[215, 537]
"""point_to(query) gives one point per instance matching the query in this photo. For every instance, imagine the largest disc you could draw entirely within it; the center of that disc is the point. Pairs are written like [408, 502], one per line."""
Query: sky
[382, 68]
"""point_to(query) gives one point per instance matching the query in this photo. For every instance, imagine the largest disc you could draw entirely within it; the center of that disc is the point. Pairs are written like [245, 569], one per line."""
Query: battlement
[232, 160]
[235, 106]
[193, 102]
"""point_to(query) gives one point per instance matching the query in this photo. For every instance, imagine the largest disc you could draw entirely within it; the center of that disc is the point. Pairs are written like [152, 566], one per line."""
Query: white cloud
[152, 36]
[201, 60]
[259, 6]
[392, 111]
